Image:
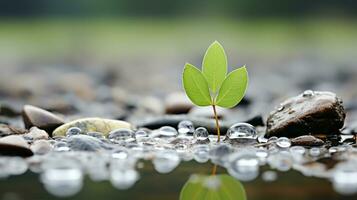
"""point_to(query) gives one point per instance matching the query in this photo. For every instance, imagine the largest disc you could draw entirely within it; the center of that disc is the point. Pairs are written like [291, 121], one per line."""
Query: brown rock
[309, 113]
[14, 145]
[34, 116]
[177, 103]
[307, 140]
[14, 140]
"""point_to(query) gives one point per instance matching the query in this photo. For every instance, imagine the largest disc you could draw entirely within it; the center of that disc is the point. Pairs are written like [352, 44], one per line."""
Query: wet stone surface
[312, 112]
[40, 118]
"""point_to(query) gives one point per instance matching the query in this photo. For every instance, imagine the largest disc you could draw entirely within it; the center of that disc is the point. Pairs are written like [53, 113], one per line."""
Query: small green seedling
[213, 87]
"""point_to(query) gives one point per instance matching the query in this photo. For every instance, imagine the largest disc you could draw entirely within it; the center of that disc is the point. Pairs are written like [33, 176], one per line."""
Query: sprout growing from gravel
[212, 86]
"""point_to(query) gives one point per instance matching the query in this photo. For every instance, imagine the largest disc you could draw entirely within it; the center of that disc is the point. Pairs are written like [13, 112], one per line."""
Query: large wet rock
[309, 113]
[34, 116]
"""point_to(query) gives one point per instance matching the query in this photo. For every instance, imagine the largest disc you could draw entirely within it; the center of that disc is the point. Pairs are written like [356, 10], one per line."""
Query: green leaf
[233, 88]
[219, 187]
[214, 66]
[196, 86]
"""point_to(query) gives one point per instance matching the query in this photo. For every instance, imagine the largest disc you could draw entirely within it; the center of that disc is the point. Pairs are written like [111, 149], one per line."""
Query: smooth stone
[37, 134]
[309, 113]
[14, 145]
[41, 147]
[307, 140]
[16, 140]
[93, 125]
[177, 103]
[34, 116]
[84, 143]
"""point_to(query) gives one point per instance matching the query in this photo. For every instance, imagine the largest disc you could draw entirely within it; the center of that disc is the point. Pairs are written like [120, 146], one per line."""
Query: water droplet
[280, 108]
[123, 179]
[269, 176]
[212, 182]
[73, 131]
[167, 132]
[219, 153]
[344, 178]
[96, 135]
[297, 153]
[201, 134]
[120, 153]
[298, 150]
[241, 130]
[281, 161]
[16, 165]
[308, 93]
[315, 151]
[283, 142]
[262, 155]
[141, 134]
[121, 135]
[62, 176]
[273, 139]
[186, 127]
[97, 167]
[61, 146]
[243, 165]
[201, 153]
[165, 161]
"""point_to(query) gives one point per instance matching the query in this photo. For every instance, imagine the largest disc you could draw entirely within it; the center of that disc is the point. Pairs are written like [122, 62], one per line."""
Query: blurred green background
[153, 37]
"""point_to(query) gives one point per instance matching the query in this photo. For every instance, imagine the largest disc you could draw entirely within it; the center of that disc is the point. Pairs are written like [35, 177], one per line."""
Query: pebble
[312, 112]
[14, 145]
[41, 147]
[16, 140]
[34, 116]
[177, 103]
[37, 134]
[307, 140]
[92, 125]
[84, 143]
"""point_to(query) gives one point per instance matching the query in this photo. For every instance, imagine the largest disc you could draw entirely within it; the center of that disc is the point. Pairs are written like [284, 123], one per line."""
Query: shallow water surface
[154, 186]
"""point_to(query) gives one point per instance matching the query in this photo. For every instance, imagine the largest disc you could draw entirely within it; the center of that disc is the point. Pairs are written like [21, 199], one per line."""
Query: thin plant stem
[217, 123]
